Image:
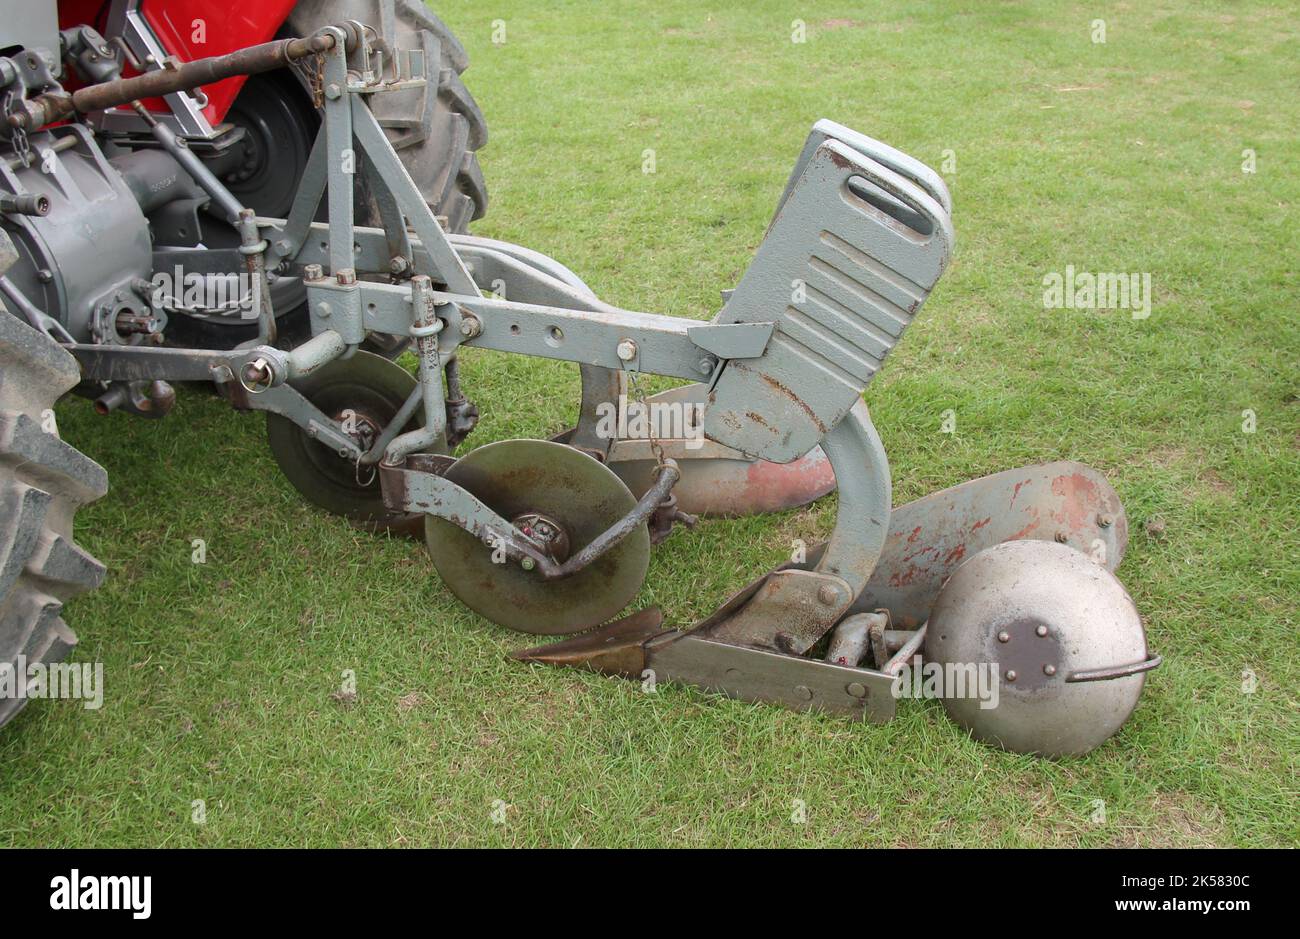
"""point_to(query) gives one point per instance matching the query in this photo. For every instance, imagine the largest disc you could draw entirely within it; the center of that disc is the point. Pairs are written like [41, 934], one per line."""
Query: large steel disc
[365, 391]
[524, 480]
[1037, 617]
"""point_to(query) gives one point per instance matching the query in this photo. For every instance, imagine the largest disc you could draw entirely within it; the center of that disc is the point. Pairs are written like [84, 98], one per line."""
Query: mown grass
[1122, 156]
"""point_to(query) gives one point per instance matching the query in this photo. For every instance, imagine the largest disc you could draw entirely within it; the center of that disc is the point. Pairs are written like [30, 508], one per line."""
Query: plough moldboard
[1011, 573]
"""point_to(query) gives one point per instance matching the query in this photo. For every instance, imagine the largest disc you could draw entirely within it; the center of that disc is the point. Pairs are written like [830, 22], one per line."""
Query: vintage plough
[1011, 573]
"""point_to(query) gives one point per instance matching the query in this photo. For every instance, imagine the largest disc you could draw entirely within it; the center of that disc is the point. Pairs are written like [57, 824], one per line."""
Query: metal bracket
[758, 675]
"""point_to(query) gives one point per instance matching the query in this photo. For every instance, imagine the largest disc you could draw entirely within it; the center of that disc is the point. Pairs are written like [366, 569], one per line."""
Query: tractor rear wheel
[435, 130]
[42, 483]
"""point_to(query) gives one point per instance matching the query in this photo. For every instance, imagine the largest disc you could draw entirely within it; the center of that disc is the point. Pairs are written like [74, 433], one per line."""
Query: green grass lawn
[1119, 156]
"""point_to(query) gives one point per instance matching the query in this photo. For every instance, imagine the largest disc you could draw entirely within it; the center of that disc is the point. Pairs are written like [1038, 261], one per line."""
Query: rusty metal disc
[369, 390]
[528, 479]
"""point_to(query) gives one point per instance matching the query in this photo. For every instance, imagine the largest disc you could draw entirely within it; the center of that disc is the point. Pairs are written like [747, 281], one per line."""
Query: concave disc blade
[373, 389]
[517, 477]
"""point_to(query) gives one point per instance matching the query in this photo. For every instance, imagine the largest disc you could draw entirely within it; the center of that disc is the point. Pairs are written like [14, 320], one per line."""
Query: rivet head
[827, 594]
[804, 692]
[1049, 670]
[1041, 631]
[857, 689]
[1011, 675]
[1004, 636]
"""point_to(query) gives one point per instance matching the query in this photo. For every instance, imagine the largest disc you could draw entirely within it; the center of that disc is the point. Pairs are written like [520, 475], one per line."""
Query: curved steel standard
[860, 237]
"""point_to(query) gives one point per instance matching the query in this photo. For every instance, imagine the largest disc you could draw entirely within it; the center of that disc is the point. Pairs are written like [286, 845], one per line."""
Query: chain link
[18, 136]
[655, 447]
[318, 82]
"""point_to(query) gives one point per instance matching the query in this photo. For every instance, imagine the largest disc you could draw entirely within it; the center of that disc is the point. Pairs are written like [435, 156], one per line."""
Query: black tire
[42, 483]
[435, 130]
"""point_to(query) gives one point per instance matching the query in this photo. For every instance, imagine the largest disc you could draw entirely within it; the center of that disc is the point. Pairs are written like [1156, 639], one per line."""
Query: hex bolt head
[323, 310]
[1040, 630]
[399, 265]
[333, 91]
[346, 277]
[827, 595]
[470, 326]
[1011, 675]
[706, 365]
[1004, 636]
[313, 272]
[1049, 670]
[857, 689]
[804, 692]
[626, 350]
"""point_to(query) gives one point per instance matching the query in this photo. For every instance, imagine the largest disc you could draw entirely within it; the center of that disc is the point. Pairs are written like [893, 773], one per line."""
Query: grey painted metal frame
[543, 309]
